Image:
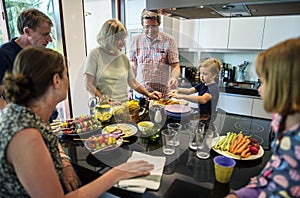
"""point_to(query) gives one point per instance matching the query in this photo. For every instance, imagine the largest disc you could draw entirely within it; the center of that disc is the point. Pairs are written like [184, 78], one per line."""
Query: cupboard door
[213, 33]
[188, 33]
[235, 104]
[259, 111]
[280, 28]
[246, 33]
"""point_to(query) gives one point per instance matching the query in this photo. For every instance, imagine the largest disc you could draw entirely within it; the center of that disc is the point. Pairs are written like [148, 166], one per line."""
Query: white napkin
[152, 181]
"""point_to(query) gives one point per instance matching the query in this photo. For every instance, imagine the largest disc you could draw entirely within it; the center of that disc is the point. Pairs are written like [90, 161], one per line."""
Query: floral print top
[281, 175]
[13, 119]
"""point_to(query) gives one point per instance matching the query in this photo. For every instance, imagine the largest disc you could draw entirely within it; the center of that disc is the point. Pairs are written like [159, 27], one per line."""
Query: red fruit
[101, 139]
[256, 145]
[253, 150]
[253, 140]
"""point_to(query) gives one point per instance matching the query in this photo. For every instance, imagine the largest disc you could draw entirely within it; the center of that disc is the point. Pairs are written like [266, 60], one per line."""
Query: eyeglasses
[46, 35]
[152, 27]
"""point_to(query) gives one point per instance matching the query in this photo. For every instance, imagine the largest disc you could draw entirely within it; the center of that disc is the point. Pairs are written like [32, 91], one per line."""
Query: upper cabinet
[188, 31]
[243, 33]
[246, 33]
[279, 28]
[213, 33]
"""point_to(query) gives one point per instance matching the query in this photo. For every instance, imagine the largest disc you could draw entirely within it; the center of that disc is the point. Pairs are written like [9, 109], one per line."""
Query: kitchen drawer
[259, 111]
[236, 104]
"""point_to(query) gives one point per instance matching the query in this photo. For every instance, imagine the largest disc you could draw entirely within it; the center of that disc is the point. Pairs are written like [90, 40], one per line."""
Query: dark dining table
[184, 174]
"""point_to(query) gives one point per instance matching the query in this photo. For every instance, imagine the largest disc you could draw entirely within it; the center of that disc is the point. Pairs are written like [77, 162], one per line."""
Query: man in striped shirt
[154, 56]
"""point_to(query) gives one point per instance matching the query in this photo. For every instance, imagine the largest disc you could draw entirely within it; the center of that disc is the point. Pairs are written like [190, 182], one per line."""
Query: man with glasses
[34, 28]
[154, 56]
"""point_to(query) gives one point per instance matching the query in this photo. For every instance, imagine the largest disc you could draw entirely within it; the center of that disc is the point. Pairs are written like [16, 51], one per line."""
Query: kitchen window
[10, 10]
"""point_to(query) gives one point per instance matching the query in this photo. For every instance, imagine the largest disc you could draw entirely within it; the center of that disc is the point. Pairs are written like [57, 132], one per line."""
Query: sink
[243, 88]
[247, 85]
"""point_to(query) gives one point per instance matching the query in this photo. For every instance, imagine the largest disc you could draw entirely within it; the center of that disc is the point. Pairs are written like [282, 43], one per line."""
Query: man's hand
[173, 83]
[155, 95]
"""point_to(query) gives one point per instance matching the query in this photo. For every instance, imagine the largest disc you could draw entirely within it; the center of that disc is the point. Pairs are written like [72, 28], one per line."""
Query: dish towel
[152, 181]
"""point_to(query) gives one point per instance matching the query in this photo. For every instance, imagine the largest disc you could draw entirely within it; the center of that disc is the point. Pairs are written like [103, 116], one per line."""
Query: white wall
[76, 53]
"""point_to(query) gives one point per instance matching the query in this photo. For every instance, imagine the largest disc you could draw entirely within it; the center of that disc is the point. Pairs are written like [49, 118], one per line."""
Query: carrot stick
[242, 142]
[247, 154]
[243, 147]
[239, 138]
[245, 151]
[232, 145]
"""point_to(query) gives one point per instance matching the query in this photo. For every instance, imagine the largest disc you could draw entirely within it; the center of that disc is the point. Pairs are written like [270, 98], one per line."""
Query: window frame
[3, 22]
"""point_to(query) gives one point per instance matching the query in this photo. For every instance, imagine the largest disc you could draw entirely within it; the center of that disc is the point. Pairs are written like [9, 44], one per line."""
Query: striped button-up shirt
[153, 59]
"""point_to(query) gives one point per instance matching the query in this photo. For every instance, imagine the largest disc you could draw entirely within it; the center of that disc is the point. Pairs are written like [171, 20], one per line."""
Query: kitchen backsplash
[189, 59]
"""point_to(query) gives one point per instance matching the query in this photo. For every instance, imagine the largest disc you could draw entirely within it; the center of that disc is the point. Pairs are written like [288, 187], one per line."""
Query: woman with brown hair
[30, 163]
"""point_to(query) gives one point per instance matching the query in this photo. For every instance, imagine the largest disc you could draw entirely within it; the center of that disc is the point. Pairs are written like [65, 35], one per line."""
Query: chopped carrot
[244, 152]
[241, 143]
[243, 147]
[239, 138]
[247, 154]
[232, 145]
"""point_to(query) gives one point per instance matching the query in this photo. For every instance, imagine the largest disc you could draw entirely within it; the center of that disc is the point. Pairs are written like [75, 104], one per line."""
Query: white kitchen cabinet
[246, 33]
[235, 104]
[258, 109]
[243, 105]
[213, 33]
[280, 28]
[188, 31]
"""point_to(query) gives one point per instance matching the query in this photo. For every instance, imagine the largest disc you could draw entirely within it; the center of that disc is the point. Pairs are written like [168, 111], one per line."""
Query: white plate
[105, 149]
[251, 157]
[178, 108]
[133, 129]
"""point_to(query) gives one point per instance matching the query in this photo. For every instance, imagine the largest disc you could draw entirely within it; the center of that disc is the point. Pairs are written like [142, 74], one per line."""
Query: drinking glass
[204, 143]
[168, 141]
[175, 127]
[195, 132]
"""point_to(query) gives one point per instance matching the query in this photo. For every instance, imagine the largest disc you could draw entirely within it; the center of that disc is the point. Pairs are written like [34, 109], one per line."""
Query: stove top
[254, 127]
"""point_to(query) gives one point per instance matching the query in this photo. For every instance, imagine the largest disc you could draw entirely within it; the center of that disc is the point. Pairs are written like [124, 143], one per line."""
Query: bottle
[230, 71]
[225, 78]
[197, 77]
[233, 74]
[222, 71]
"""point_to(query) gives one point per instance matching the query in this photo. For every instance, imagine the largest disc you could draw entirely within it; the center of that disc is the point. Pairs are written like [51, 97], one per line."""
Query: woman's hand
[2, 103]
[69, 177]
[133, 169]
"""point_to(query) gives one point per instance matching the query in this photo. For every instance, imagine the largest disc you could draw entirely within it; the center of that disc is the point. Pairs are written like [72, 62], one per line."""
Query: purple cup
[223, 168]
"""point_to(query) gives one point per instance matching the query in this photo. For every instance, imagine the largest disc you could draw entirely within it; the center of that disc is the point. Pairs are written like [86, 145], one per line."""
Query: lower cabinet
[236, 104]
[242, 105]
[258, 109]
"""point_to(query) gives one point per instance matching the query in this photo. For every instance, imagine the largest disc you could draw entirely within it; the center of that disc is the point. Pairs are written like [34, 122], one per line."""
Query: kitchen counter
[229, 88]
[240, 91]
